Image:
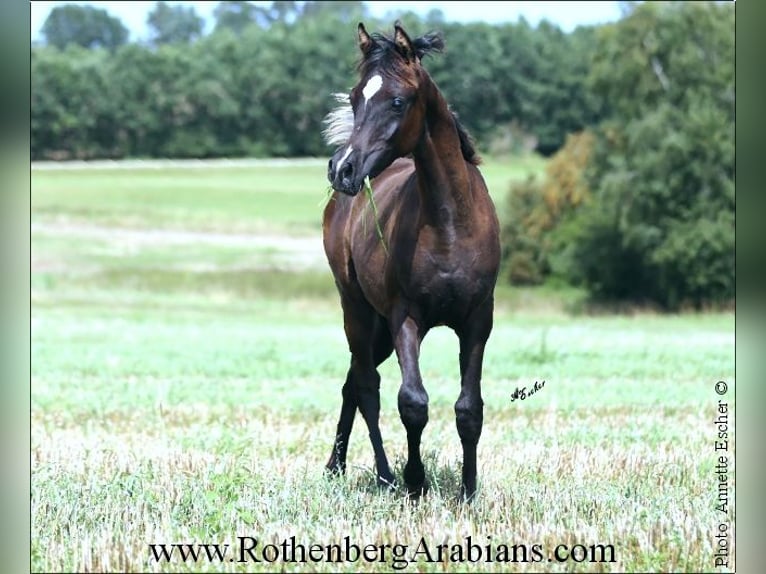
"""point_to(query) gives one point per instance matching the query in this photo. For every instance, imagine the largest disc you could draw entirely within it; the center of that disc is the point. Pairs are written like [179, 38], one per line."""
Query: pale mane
[339, 123]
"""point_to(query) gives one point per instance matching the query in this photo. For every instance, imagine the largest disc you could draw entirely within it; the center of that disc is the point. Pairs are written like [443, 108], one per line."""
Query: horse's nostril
[346, 171]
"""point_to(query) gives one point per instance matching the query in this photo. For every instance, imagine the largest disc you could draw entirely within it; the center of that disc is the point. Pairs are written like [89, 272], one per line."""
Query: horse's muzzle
[343, 177]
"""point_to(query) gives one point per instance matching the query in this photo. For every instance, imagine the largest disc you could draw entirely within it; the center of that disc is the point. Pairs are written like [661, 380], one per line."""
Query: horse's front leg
[413, 401]
[368, 396]
[337, 461]
[469, 408]
[370, 344]
[361, 390]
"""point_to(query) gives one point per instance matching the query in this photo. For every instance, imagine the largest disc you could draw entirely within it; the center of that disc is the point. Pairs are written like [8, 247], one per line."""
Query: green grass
[185, 389]
[251, 199]
[244, 199]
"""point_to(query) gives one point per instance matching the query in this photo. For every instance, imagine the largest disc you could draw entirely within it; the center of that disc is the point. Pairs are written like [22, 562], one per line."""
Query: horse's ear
[365, 42]
[403, 42]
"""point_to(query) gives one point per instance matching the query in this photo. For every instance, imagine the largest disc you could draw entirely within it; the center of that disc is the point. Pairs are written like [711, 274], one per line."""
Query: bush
[537, 209]
[522, 234]
[641, 209]
[660, 227]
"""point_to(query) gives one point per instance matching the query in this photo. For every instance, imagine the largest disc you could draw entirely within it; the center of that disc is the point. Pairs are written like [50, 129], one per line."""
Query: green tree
[660, 226]
[171, 24]
[299, 66]
[244, 132]
[166, 97]
[556, 101]
[285, 11]
[236, 15]
[261, 83]
[472, 74]
[346, 11]
[84, 26]
[73, 105]
[210, 127]
[535, 232]
[513, 81]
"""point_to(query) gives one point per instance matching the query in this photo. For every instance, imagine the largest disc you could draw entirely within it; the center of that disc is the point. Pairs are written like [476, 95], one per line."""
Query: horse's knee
[469, 417]
[364, 374]
[413, 408]
[348, 392]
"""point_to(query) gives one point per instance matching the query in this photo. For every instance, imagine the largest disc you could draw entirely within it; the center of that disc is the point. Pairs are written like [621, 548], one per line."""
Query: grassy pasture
[187, 360]
[251, 198]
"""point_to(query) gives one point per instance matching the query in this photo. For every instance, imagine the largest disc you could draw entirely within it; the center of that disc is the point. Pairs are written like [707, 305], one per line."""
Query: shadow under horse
[435, 261]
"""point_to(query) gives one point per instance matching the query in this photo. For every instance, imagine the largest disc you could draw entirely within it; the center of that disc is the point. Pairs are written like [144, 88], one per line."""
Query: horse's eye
[397, 103]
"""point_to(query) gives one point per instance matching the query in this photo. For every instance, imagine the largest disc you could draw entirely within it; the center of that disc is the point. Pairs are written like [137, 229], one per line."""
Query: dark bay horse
[437, 261]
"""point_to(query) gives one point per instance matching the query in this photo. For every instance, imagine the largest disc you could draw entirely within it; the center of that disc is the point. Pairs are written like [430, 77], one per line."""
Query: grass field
[187, 360]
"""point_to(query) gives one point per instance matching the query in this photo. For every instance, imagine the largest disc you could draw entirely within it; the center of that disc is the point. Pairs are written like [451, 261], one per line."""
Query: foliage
[84, 26]
[170, 24]
[558, 102]
[236, 15]
[75, 114]
[513, 77]
[537, 211]
[645, 211]
[260, 83]
[661, 225]
[521, 234]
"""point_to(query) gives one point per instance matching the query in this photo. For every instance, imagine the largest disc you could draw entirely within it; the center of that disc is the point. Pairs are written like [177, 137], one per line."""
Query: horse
[434, 260]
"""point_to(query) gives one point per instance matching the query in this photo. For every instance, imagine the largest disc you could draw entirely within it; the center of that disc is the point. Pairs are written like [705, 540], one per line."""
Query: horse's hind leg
[370, 344]
[469, 408]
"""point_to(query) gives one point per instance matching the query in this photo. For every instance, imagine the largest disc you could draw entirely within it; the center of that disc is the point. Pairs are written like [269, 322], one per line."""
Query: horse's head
[389, 108]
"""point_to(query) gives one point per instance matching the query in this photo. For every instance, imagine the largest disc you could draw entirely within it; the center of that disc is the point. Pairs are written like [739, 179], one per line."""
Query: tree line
[637, 202]
[260, 83]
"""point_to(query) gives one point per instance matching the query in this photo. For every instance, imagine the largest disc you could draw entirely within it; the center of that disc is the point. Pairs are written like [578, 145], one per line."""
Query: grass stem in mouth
[326, 199]
[368, 191]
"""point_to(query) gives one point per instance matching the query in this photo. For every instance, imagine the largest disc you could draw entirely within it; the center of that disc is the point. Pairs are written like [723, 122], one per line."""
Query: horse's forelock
[427, 43]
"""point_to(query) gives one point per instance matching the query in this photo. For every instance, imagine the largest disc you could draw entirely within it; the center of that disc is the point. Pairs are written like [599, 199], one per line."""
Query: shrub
[537, 209]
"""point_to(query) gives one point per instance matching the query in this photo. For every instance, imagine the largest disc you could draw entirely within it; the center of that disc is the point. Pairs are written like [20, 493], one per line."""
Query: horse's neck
[443, 181]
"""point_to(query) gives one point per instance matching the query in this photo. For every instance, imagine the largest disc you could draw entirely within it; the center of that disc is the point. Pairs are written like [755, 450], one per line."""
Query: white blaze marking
[349, 149]
[372, 87]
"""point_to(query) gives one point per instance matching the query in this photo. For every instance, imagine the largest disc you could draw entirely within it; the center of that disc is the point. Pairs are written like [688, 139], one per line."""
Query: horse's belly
[446, 293]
